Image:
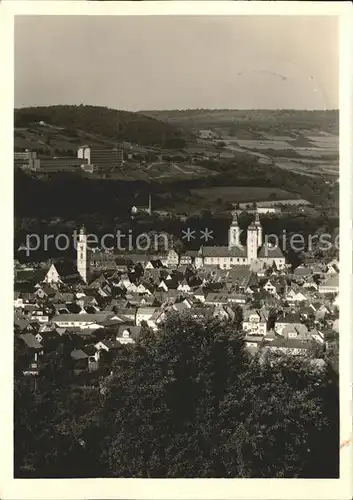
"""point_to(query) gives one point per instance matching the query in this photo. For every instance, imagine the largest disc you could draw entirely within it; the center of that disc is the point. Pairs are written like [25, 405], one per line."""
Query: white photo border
[172, 489]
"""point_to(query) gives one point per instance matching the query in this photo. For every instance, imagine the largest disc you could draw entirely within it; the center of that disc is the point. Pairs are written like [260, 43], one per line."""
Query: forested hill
[108, 123]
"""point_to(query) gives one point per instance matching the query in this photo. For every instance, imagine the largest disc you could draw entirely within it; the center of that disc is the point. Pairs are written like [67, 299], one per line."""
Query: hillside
[72, 124]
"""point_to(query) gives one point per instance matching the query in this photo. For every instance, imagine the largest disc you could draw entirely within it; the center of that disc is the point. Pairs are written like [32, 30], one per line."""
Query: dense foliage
[60, 205]
[187, 401]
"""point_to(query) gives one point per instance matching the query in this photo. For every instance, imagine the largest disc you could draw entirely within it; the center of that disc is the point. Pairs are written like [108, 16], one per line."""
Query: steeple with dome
[234, 232]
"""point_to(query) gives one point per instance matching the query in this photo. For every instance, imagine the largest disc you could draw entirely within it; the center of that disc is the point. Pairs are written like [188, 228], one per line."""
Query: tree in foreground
[189, 401]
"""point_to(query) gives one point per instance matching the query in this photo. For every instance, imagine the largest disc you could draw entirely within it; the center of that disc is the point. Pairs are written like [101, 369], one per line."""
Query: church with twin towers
[256, 253]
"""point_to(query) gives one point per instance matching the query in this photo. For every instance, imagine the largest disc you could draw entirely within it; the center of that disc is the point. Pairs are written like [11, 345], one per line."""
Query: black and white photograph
[176, 247]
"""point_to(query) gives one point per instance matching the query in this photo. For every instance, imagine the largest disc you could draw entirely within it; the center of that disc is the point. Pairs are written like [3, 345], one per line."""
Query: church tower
[259, 229]
[234, 232]
[252, 242]
[82, 254]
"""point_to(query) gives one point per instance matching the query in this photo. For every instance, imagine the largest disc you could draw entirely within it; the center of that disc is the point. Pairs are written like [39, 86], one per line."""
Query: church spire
[235, 221]
[82, 255]
[258, 226]
[234, 232]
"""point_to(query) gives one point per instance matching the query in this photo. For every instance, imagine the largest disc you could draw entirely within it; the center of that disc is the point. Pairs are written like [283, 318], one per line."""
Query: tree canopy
[186, 401]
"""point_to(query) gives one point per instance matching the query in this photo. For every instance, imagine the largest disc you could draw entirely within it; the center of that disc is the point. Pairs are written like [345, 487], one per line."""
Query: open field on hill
[161, 171]
[43, 138]
[274, 135]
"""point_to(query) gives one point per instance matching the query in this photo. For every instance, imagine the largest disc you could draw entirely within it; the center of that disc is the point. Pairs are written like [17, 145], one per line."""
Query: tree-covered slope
[108, 123]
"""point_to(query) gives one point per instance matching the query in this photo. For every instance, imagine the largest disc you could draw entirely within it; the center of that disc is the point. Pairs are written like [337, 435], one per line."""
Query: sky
[177, 62]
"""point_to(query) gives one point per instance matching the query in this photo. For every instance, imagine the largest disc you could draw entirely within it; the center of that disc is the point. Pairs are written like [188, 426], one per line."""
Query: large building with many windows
[102, 158]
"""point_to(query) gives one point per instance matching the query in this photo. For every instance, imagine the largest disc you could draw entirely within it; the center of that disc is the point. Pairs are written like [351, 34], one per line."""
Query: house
[255, 253]
[154, 264]
[134, 299]
[237, 298]
[189, 302]
[201, 312]
[48, 338]
[36, 350]
[242, 278]
[144, 289]
[216, 299]
[186, 260]
[294, 296]
[79, 359]
[319, 310]
[199, 294]
[270, 336]
[163, 285]
[310, 283]
[144, 314]
[270, 287]
[172, 258]
[29, 309]
[30, 340]
[223, 313]
[180, 306]
[124, 281]
[299, 332]
[60, 272]
[317, 335]
[90, 321]
[253, 341]
[302, 271]
[40, 315]
[331, 285]
[184, 287]
[307, 313]
[288, 346]
[84, 301]
[287, 319]
[153, 275]
[52, 275]
[156, 319]
[104, 291]
[330, 337]
[255, 322]
[336, 301]
[107, 345]
[23, 325]
[98, 282]
[128, 313]
[333, 267]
